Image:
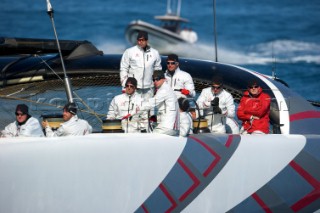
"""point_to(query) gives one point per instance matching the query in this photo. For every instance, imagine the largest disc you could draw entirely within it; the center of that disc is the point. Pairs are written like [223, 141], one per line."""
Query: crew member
[254, 110]
[24, 125]
[217, 104]
[128, 103]
[72, 124]
[180, 81]
[166, 105]
[139, 62]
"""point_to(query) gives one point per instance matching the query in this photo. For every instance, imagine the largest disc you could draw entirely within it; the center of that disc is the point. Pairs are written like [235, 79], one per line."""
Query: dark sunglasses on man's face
[171, 62]
[19, 114]
[254, 87]
[216, 87]
[156, 79]
[129, 86]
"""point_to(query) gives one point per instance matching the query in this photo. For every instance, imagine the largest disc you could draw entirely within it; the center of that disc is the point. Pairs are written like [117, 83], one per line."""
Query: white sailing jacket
[31, 128]
[226, 105]
[185, 124]
[140, 64]
[74, 126]
[167, 107]
[124, 104]
[181, 80]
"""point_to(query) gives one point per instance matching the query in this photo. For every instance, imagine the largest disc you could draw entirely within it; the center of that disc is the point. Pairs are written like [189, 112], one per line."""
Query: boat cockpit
[33, 75]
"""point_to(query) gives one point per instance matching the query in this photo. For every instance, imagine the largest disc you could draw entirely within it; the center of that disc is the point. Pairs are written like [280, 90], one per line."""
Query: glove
[217, 110]
[126, 117]
[215, 102]
[153, 118]
[123, 90]
[185, 91]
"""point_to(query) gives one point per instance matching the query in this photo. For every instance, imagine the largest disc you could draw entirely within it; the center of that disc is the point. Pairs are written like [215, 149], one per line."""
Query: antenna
[178, 8]
[66, 79]
[215, 31]
[274, 75]
[169, 7]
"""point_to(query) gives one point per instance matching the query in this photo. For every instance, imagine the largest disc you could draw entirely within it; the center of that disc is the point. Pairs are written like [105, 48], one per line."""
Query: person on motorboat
[254, 110]
[71, 126]
[185, 117]
[24, 126]
[216, 104]
[180, 81]
[128, 103]
[166, 104]
[139, 62]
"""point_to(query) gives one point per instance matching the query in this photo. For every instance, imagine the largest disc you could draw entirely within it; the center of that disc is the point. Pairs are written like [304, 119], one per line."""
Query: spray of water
[285, 51]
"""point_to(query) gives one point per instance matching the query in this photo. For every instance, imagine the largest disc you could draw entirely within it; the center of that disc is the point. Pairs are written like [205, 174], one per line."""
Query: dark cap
[132, 81]
[217, 80]
[142, 34]
[183, 104]
[173, 57]
[71, 107]
[253, 82]
[22, 108]
[158, 74]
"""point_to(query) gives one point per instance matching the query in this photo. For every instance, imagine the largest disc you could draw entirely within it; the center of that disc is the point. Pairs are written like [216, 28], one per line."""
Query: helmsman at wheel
[166, 104]
[128, 103]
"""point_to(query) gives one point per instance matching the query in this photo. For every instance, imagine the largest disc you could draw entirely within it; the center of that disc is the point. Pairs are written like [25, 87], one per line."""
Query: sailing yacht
[117, 172]
[149, 172]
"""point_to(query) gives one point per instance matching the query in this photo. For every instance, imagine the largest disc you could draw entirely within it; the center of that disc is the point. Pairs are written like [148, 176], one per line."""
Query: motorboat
[171, 31]
[146, 172]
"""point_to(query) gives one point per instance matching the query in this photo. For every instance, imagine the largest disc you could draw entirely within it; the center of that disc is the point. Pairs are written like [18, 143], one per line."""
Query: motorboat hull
[163, 40]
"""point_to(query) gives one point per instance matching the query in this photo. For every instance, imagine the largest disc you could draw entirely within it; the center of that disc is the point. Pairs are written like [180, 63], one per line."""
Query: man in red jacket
[254, 110]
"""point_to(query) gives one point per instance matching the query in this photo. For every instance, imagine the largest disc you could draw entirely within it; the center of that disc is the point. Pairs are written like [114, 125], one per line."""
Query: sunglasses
[130, 86]
[253, 87]
[141, 39]
[156, 79]
[19, 114]
[171, 63]
[214, 87]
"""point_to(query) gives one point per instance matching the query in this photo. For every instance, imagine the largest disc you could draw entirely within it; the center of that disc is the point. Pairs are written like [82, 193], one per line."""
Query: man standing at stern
[139, 62]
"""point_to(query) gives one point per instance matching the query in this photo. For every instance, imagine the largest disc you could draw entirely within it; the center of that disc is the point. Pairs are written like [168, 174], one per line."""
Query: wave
[281, 51]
